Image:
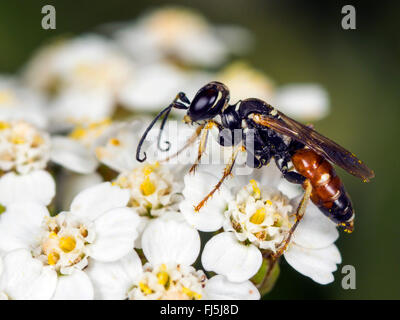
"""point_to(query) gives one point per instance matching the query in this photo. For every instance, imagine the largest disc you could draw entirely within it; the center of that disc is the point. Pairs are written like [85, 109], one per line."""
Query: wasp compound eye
[208, 102]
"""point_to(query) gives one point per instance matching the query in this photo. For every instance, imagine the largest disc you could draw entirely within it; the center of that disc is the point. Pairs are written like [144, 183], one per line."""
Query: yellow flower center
[256, 189]
[163, 278]
[191, 294]
[147, 170]
[145, 288]
[259, 216]
[52, 258]
[115, 142]
[93, 130]
[17, 140]
[52, 235]
[147, 187]
[4, 125]
[67, 244]
[78, 133]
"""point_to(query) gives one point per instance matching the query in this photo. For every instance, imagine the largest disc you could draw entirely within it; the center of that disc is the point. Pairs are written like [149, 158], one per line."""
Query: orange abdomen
[328, 192]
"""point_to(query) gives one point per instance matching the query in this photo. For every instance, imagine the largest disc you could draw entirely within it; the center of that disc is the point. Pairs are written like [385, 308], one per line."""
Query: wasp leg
[227, 172]
[188, 143]
[202, 145]
[299, 215]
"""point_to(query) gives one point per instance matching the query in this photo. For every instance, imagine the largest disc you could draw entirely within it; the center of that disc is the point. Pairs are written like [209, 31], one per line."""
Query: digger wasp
[278, 137]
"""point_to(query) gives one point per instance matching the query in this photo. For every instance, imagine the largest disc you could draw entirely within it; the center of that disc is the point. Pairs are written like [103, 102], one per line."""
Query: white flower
[97, 227]
[24, 153]
[182, 34]
[116, 148]
[25, 278]
[69, 184]
[154, 86]
[171, 247]
[154, 187]
[245, 82]
[260, 217]
[301, 101]
[20, 103]
[257, 216]
[83, 77]
[77, 151]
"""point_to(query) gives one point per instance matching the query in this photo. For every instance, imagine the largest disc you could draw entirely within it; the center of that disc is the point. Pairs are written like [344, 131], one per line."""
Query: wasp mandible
[291, 144]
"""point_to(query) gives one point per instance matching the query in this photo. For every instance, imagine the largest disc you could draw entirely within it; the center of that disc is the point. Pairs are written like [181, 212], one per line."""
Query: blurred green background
[296, 41]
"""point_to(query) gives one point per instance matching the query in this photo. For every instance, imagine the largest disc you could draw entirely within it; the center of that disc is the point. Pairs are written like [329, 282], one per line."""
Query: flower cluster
[81, 218]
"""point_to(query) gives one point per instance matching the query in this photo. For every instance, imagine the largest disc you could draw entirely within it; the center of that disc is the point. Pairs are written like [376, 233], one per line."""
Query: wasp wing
[317, 142]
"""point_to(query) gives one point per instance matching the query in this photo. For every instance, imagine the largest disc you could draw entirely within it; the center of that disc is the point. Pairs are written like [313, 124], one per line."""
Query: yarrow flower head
[65, 243]
[305, 101]
[23, 147]
[259, 216]
[77, 151]
[97, 227]
[164, 33]
[169, 282]
[17, 102]
[256, 217]
[81, 77]
[24, 154]
[152, 188]
[170, 247]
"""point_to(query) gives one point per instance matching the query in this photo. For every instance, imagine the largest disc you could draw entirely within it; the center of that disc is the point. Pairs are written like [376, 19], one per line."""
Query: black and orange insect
[302, 154]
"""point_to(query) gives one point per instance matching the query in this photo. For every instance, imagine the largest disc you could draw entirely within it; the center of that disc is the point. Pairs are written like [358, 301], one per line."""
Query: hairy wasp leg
[227, 172]
[188, 143]
[202, 144]
[299, 215]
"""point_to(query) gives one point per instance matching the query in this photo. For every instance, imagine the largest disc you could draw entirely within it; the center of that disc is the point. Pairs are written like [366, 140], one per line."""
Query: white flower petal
[220, 288]
[25, 278]
[70, 184]
[112, 280]
[121, 158]
[74, 105]
[290, 190]
[144, 221]
[224, 255]
[210, 217]
[36, 186]
[138, 94]
[317, 264]
[94, 201]
[75, 286]
[174, 241]
[116, 231]
[72, 155]
[22, 103]
[303, 101]
[20, 225]
[268, 176]
[315, 230]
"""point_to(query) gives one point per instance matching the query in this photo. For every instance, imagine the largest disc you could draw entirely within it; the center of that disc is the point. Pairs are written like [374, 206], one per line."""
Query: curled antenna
[164, 120]
[168, 110]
